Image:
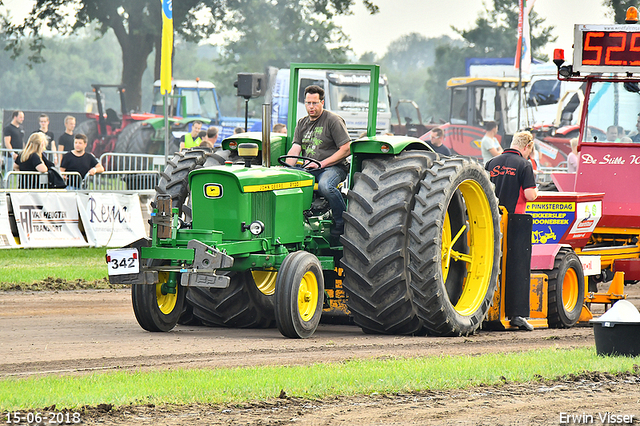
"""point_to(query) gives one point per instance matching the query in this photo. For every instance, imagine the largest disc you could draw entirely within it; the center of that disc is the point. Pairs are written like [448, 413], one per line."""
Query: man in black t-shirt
[80, 161]
[513, 175]
[13, 137]
[515, 184]
[65, 143]
[437, 137]
[43, 120]
[323, 136]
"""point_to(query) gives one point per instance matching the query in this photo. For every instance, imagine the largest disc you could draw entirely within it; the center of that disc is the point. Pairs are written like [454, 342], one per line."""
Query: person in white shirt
[489, 145]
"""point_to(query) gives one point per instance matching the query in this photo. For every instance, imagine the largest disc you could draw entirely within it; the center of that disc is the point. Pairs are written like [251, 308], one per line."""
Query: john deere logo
[213, 190]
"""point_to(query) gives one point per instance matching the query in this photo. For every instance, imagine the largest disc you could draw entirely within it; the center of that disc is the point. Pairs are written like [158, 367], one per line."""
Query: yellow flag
[167, 46]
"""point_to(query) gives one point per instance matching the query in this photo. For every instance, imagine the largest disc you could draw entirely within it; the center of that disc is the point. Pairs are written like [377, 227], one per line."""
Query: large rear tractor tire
[123, 144]
[375, 242]
[142, 142]
[454, 247]
[242, 305]
[299, 295]
[566, 290]
[156, 309]
[174, 180]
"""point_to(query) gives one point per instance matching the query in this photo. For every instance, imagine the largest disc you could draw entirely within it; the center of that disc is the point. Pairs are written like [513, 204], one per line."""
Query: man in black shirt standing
[65, 143]
[437, 137]
[512, 174]
[13, 136]
[515, 184]
[43, 120]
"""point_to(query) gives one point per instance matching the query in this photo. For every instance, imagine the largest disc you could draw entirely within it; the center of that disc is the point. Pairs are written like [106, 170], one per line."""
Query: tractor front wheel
[566, 290]
[156, 308]
[299, 295]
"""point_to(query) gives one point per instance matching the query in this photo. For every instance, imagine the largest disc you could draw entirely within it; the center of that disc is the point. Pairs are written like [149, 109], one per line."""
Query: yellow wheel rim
[265, 281]
[166, 302]
[308, 296]
[479, 260]
[570, 289]
[446, 243]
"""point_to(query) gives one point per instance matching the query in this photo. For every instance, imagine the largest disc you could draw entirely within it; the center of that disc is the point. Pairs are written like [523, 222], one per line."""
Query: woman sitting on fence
[31, 159]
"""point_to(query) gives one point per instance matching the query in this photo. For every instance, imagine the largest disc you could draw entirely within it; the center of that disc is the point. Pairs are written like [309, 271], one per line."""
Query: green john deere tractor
[238, 244]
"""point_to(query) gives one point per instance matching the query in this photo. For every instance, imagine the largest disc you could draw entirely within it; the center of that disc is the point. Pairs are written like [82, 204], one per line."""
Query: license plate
[123, 261]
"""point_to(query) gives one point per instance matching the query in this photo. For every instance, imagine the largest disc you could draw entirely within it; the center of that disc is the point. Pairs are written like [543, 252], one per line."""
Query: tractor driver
[323, 136]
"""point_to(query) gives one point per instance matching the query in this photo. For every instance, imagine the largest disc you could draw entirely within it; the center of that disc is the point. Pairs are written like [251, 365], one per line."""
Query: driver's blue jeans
[328, 180]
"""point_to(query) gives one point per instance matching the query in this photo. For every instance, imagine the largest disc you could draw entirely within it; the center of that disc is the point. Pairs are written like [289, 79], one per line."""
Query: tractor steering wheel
[305, 161]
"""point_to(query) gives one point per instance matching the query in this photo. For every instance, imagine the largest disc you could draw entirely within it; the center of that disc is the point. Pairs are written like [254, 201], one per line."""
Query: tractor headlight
[256, 228]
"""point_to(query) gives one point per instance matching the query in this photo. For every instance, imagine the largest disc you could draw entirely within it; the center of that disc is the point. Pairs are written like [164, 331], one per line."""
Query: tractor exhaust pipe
[266, 135]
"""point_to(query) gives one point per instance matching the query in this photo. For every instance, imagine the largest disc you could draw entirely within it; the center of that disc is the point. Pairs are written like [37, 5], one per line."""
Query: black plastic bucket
[617, 338]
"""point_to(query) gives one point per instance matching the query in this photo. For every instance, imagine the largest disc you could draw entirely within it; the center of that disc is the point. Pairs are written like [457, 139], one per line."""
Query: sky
[433, 18]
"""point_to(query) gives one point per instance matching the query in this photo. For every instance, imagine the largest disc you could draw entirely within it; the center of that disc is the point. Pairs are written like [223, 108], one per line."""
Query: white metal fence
[124, 173]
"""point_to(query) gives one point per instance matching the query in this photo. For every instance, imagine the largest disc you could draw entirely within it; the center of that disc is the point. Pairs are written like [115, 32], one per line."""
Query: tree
[619, 8]
[496, 31]
[137, 26]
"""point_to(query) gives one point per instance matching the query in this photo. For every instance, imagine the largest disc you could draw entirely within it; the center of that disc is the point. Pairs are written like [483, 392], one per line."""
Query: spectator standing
[65, 143]
[572, 158]
[437, 137]
[212, 137]
[279, 128]
[515, 184]
[636, 137]
[489, 145]
[78, 160]
[43, 120]
[191, 140]
[13, 137]
[238, 130]
[612, 134]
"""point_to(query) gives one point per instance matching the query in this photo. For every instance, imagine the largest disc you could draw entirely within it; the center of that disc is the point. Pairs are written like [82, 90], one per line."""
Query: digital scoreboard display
[607, 48]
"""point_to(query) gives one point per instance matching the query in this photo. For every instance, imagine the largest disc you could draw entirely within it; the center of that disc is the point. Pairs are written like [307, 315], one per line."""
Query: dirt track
[75, 332]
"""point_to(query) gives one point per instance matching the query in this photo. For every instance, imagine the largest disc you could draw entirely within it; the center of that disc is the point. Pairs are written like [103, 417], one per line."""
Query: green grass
[27, 266]
[230, 386]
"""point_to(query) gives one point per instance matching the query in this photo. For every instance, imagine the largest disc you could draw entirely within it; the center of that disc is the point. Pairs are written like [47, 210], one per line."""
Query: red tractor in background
[476, 100]
[103, 126]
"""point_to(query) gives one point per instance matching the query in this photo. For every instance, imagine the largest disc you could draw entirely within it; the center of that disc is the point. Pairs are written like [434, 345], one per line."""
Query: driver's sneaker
[521, 323]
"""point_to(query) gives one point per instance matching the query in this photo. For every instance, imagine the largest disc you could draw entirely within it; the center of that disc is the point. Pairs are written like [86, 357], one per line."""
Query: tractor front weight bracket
[206, 260]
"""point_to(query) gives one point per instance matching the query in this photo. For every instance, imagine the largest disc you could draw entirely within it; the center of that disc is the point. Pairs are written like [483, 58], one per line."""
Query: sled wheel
[454, 247]
[299, 295]
[566, 290]
[375, 242]
[154, 307]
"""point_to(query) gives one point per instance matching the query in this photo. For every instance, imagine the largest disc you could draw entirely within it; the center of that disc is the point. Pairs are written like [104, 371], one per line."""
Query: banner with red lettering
[47, 219]
[6, 236]
[111, 220]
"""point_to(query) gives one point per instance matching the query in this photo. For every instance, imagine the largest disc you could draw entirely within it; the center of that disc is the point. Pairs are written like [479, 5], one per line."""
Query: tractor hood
[228, 198]
[256, 179]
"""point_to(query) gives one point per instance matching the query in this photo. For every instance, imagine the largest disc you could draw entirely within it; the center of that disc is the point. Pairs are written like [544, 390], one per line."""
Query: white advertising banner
[47, 219]
[6, 237]
[111, 220]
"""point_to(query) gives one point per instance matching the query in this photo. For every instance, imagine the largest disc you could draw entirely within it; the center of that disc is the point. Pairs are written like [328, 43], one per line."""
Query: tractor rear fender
[543, 256]
[391, 145]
